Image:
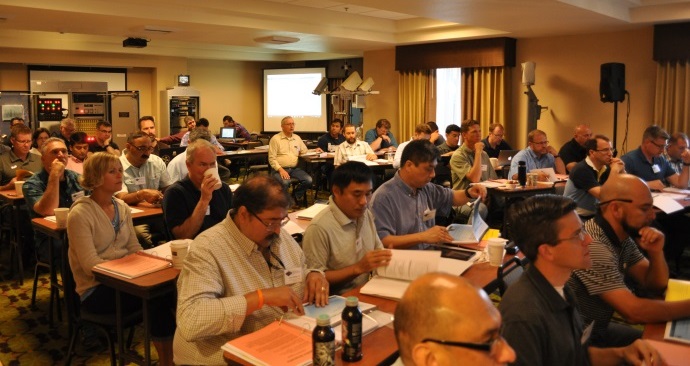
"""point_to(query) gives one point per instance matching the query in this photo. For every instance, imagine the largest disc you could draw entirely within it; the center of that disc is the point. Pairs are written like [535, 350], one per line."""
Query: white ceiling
[227, 29]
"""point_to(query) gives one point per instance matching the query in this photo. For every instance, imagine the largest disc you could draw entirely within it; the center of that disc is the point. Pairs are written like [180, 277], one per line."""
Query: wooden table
[240, 145]
[15, 201]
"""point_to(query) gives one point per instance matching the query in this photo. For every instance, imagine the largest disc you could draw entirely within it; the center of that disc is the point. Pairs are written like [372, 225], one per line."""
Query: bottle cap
[323, 320]
[352, 301]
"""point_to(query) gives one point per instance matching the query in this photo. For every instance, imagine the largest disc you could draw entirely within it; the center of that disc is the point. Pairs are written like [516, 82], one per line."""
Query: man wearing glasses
[444, 320]
[537, 155]
[675, 151]
[18, 157]
[145, 179]
[241, 275]
[540, 318]
[648, 163]
[587, 176]
[620, 232]
[494, 142]
[104, 140]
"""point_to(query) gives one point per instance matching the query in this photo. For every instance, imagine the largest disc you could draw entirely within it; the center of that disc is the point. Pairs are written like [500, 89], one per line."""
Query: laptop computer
[506, 156]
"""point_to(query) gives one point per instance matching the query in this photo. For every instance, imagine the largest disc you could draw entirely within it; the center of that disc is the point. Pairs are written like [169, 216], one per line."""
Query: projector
[135, 42]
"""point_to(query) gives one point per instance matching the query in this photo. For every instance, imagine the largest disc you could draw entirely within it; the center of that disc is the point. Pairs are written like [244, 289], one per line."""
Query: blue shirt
[637, 164]
[399, 209]
[371, 135]
[531, 160]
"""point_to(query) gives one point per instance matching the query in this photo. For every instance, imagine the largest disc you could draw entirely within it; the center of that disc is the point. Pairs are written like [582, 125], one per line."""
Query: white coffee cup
[179, 250]
[61, 216]
[496, 248]
[18, 187]
[214, 172]
[494, 162]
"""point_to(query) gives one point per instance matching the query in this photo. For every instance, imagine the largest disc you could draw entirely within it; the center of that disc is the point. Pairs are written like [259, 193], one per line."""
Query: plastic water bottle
[352, 330]
[522, 173]
[323, 342]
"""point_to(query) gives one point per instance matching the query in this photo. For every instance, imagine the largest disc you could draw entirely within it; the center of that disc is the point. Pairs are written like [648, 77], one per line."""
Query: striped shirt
[610, 262]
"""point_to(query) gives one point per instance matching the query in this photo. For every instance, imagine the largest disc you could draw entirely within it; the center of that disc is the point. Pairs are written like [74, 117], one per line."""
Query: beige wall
[380, 65]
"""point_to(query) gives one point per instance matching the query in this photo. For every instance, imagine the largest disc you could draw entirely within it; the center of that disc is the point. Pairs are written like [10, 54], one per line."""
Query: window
[448, 98]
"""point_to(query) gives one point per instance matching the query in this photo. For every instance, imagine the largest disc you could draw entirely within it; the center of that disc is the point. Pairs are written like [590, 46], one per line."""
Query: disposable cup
[18, 187]
[179, 250]
[494, 162]
[214, 172]
[61, 216]
[496, 248]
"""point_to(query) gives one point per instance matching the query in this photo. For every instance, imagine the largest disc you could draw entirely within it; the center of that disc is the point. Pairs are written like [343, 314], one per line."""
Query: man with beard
[537, 155]
[619, 269]
[352, 147]
[145, 180]
[587, 176]
[79, 149]
[243, 274]
[147, 125]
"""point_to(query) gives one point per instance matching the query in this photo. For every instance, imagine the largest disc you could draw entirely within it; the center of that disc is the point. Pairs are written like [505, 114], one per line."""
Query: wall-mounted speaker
[612, 83]
[528, 77]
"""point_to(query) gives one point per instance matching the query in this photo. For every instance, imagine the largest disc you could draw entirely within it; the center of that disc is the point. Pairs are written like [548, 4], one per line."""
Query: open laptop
[227, 134]
[506, 156]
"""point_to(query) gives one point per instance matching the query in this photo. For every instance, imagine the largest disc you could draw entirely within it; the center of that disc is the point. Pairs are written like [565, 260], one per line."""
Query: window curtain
[672, 95]
[416, 90]
[485, 95]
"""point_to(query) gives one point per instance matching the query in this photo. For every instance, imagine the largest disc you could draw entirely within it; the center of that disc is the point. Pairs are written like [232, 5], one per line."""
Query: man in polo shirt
[620, 231]
[537, 155]
[470, 163]
[381, 137]
[6, 140]
[194, 204]
[284, 150]
[648, 163]
[587, 176]
[675, 151]
[145, 179]
[574, 151]
[52, 187]
[405, 207]
[147, 125]
[352, 147]
[341, 240]
[494, 142]
[452, 139]
[540, 319]
[18, 157]
[177, 167]
[104, 140]
[421, 132]
[329, 142]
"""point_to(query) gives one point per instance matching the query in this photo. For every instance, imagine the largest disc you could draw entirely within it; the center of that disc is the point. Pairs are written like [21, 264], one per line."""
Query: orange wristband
[261, 298]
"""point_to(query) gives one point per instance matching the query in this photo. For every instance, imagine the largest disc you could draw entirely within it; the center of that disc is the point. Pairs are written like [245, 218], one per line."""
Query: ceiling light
[277, 40]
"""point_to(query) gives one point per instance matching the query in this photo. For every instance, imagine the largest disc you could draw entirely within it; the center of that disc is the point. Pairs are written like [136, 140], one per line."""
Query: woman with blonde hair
[99, 228]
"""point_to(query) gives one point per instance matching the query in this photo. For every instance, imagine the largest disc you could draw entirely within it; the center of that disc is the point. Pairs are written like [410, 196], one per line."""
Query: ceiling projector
[135, 42]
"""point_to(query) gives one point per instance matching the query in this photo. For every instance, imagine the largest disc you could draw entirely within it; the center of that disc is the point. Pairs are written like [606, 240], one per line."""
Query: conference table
[15, 201]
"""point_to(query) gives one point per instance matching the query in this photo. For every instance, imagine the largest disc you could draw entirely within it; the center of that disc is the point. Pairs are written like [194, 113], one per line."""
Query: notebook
[470, 233]
[505, 156]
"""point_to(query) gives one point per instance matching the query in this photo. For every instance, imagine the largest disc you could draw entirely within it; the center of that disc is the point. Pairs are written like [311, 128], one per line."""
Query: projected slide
[288, 92]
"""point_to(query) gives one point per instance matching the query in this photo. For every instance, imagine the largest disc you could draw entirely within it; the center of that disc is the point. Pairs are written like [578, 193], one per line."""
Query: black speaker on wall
[612, 84]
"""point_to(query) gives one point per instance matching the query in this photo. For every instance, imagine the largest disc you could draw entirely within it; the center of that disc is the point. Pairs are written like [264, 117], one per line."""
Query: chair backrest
[509, 273]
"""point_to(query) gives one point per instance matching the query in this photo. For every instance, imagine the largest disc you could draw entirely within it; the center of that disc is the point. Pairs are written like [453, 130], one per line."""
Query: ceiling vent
[277, 40]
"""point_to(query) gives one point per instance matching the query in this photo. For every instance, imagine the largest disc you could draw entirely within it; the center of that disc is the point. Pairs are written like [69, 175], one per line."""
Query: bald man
[619, 228]
[433, 327]
[574, 151]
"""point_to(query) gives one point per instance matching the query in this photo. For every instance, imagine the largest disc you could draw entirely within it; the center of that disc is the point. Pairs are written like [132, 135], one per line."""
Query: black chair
[78, 318]
[509, 273]
[55, 286]
[257, 164]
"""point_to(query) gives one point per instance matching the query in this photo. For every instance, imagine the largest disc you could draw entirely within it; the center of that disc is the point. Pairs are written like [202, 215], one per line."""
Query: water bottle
[323, 342]
[352, 330]
[522, 173]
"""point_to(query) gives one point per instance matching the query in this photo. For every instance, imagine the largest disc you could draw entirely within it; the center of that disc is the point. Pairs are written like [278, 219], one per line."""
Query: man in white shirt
[352, 147]
[421, 131]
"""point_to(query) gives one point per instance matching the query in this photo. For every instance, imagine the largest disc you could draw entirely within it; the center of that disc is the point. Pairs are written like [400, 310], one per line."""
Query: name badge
[208, 210]
[140, 181]
[13, 167]
[78, 195]
[428, 214]
[655, 168]
[292, 275]
[484, 167]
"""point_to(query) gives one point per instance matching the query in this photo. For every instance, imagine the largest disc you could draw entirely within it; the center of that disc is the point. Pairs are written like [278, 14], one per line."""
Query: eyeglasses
[271, 226]
[105, 131]
[608, 149]
[581, 235]
[659, 146]
[497, 135]
[144, 148]
[490, 346]
[541, 143]
[23, 142]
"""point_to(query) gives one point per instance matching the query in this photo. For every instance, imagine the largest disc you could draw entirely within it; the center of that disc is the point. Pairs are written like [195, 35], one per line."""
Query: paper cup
[494, 162]
[179, 250]
[18, 187]
[496, 248]
[214, 172]
[61, 216]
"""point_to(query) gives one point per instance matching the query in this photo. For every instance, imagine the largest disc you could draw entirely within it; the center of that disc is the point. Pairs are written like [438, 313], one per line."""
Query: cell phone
[512, 248]
[460, 254]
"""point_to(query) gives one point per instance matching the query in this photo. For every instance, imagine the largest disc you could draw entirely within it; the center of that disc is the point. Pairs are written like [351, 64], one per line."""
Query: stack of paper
[311, 212]
[277, 344]
[134, 265]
